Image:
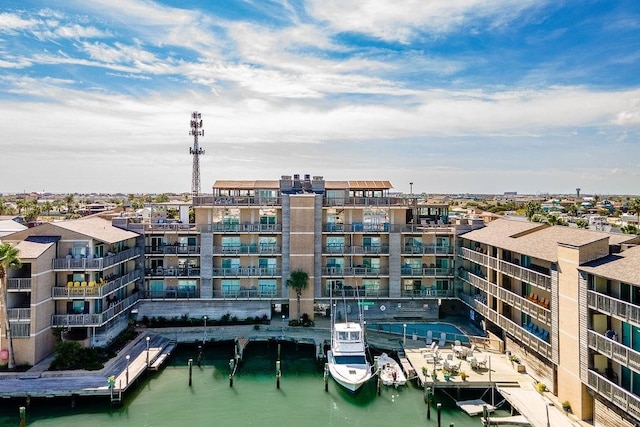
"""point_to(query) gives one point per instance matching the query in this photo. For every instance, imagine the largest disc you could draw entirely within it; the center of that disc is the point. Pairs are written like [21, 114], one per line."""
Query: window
[371, 285]
[186, 288]
[267, 265]
[230, 287]
[267, 243]
[442, 241]
[230, 244]
[267, 287]
[156, 288]
[335, 244]
[371, 242]
[233, 263]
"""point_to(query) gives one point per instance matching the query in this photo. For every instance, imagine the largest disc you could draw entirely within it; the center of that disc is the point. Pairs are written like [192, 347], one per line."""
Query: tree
[68, 200]
[299, 281]
[9, 258]
[582, 223]
[634, 206]
[630, 229]
[47, 207]
[532, 208]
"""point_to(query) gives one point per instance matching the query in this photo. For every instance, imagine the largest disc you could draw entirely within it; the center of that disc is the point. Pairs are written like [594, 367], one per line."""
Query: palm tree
[532, 208]
[68, 200]
[299, 281]
[8, 259]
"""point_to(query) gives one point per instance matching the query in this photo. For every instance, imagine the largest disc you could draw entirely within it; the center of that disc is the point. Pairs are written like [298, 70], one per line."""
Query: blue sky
[456, 96]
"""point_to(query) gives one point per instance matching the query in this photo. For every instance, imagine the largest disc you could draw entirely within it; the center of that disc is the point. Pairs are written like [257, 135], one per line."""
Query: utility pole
[196, 151]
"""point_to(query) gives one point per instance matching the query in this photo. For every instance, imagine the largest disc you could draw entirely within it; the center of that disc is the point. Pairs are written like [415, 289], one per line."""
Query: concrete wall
[196, 309]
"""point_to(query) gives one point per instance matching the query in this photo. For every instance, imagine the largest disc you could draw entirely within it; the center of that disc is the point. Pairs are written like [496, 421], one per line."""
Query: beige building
[557, 296]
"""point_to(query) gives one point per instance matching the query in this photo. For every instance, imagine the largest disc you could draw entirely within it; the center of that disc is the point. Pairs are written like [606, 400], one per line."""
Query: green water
[165, 398]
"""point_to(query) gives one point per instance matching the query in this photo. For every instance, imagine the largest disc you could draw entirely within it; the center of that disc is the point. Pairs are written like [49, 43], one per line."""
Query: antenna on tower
[196, 151]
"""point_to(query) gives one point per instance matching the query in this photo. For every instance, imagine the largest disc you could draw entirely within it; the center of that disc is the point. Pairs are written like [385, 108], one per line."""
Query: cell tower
[196, 151]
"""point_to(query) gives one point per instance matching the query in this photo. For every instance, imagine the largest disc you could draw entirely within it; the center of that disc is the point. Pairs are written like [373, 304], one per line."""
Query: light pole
[128, 357]
[411, 188]
[404, 334]
[148, 339]
[283, 326]
[204, 339]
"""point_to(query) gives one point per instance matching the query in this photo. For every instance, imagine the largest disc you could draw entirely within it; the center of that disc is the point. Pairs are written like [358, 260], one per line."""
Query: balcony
[173, 272]
[614, 350]
[622, 310]
[247, 227]
[235, 201]
[96, 291]
[250, 249]
[247, 293]
[356, 250]
[98, 319]
[351, 292]
[428, 272]
[518, 272]
[23, 284]
[76, 264]
[356, 227]
[427, 250]
[427, 293]
[246, 272]
[354, 271]
[367, 201]
[19, 314]
[623, 399]
[165, 227]
[528, 339]
[172, 250]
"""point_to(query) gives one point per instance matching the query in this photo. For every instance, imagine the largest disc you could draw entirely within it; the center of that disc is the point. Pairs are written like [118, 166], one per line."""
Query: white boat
[347, 357]
[389, 371]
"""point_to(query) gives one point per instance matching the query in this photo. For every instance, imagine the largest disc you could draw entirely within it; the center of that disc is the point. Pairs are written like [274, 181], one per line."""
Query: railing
[65, 292]
[427, 250]
[356, 227]
[356, 250]
[70, 263]
[247, 249]
[367, 201]
[627, 401]
[351, 292]
[235, 201]
[431, 272]
[173, 271]
[19, 284]
[98, 319]
[254, 227]
[513, 270]
[19, 314]
[20, 330]
[172, 250]
[354, 271]
[528, 339]
[614, 350]
[247, 294]
[623, 310]
[438, 228]
[246, 271]
[166, 226]
[427, 293]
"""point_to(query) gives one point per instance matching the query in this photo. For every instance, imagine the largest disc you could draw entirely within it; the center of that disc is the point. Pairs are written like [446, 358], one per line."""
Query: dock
[474, 407]
[516, 420]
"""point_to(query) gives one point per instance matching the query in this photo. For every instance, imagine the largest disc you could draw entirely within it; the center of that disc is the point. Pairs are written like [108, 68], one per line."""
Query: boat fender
[383, 308]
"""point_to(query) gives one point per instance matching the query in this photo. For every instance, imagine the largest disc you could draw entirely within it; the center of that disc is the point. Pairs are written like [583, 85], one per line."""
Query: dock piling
[428, 400]
[23, 416]
[379, 385]
[439, 409]
[326, 377]
[278, 374]
[199, 358]
[232, 370]
[190, 371]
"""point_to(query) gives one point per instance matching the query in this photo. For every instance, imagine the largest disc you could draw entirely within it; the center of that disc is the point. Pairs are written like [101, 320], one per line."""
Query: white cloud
[10, 22]
[400, 20]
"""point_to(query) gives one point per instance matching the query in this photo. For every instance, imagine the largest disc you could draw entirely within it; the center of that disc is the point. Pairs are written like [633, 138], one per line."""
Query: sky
[454, 96]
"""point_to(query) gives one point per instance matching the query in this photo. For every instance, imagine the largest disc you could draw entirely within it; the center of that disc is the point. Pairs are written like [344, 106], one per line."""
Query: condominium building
[565, 301]
[79, 276]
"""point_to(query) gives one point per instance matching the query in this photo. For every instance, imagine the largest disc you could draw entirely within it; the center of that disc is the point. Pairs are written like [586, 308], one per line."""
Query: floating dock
[475, 406]
[517, 420]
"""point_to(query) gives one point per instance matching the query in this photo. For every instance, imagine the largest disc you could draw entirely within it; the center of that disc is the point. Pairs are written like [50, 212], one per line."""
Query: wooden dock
[475, 406]
[517, 420]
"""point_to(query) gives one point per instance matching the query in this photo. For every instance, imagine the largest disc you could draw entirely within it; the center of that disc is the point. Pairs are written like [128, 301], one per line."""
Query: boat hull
[350, 377]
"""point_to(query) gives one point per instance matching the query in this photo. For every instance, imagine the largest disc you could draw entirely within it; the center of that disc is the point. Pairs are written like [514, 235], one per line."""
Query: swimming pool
[422, 330]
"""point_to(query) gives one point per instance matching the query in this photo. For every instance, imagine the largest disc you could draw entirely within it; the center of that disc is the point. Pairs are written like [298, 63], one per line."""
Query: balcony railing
[356, 250]
[244, 249]
[356, 227]
[23, 284]
[351, 292]
[246, 272]
[97, 319]
[235, 201]
[172, 250]
[165, 226]
[76, 264]
[95, 292]
[527, 338]
[367, 201]
[19, 314]
[173, 272]
[623, 310]
[513, 270]
[614, 350]
[253, 227]
[354, 271]
[427, 293]
[429, 272]
[427, 250]
[623, 399]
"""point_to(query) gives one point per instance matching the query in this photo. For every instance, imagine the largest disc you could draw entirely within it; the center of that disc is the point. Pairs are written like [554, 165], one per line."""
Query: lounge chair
[443, 339]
